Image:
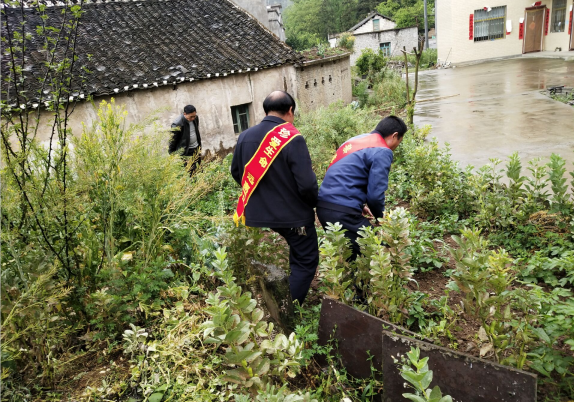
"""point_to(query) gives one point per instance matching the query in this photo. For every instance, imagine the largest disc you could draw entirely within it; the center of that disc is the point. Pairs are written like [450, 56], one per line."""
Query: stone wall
[213, 99]
[398, 38]
[324, 81]
[453, 41]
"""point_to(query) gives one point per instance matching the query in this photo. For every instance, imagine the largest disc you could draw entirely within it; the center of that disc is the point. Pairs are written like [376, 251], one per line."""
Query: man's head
[392, 129]
[189, 113]
[280, 104]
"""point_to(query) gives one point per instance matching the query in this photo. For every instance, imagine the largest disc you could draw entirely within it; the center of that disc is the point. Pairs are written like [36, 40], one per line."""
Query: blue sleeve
[379, 180]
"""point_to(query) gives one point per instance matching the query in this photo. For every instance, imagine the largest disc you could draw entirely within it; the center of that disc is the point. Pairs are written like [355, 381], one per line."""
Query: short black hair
[189, 109]
[278, 101]
[390, 125]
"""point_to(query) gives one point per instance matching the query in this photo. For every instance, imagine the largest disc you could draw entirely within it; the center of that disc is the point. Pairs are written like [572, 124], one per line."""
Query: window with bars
[240, 115]
[489, 25]
[558, 16]
[385, 48]
[376, 24]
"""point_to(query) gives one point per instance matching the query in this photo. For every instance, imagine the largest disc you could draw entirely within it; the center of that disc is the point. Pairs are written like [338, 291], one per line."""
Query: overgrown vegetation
[124, 279]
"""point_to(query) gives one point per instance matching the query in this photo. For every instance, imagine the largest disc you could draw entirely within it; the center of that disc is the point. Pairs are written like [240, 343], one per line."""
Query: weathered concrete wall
[213, 99]
[368, 26]
[407, 37]
[257, 8]
[324, 81]
[453, 32]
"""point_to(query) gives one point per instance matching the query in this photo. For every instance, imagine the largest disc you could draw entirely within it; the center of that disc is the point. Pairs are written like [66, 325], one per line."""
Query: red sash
[273, 142]
[373, 140]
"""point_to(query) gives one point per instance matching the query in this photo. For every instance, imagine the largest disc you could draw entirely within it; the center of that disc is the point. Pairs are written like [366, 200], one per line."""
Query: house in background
[472, 30]
[379, 32]
[162, 55]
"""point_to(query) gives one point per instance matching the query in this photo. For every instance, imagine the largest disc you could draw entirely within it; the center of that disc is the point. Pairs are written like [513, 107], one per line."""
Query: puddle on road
[491, 110]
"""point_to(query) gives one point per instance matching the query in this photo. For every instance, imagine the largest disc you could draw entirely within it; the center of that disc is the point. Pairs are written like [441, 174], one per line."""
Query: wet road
[498, 109]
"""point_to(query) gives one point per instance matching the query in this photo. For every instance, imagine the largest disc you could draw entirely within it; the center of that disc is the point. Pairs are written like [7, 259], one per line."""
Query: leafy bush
[107, 245]
[388, 91]
[370, 62]
[347, 41]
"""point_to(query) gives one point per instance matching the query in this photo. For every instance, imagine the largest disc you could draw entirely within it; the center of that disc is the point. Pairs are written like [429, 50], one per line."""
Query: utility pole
[426, 27]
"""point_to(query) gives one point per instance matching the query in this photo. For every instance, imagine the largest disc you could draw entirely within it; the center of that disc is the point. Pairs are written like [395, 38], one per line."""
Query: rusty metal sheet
[464, 377]
[356, 333]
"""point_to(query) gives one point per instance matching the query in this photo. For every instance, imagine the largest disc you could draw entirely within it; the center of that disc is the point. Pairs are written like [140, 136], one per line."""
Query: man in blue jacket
[357, 179]
[284, 197]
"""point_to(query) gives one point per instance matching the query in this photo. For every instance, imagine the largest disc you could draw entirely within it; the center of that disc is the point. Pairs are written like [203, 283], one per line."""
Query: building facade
[379, 32]
[324, 81]
[470, 31]
[226, 66]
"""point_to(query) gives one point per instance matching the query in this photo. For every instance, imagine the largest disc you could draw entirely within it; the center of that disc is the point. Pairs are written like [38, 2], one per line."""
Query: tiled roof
[144, 44]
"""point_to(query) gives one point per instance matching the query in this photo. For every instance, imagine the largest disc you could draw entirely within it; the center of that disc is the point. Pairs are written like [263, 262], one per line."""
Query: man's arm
[236, 164]
[176, 133]
[299, 161]
[379, 181]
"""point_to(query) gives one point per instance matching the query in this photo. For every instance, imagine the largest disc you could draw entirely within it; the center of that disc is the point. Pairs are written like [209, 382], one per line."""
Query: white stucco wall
[398, 38]
[212, 98]
[453, 31]
[384, 23]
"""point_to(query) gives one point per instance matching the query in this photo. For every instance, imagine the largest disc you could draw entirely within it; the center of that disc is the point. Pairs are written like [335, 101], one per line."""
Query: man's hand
[367, 212]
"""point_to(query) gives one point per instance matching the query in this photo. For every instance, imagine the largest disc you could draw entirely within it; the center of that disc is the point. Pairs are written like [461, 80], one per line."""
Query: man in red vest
[357, 179]
[279, 188]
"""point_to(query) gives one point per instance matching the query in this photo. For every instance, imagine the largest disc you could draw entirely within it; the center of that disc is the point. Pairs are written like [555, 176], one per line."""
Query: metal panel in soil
[463, 377]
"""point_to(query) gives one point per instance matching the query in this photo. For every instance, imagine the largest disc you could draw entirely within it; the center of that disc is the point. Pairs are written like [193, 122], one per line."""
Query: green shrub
[347, 41]
[389, 91]
[370, 62]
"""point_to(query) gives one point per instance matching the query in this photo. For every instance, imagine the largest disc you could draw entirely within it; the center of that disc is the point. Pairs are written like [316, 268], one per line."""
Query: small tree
[411, 100]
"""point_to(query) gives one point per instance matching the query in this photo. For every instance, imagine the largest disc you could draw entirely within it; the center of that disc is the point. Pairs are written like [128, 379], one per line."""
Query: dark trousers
[194, 160]
[351, 222]
[303, 259]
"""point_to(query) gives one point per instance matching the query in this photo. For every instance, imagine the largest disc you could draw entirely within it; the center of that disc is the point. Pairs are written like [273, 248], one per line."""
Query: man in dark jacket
[185, 137]
[357, 179]
[285, 196]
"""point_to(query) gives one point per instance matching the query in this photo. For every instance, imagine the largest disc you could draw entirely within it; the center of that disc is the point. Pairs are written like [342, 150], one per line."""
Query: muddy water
[493, 109]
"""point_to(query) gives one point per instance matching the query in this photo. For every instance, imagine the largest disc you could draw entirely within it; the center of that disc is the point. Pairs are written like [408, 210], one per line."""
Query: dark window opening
[240, 115]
